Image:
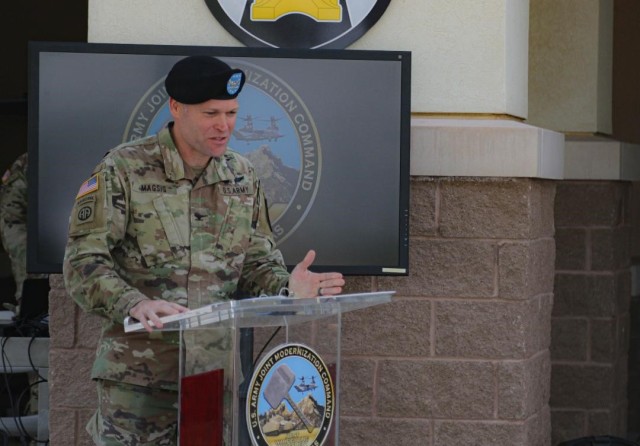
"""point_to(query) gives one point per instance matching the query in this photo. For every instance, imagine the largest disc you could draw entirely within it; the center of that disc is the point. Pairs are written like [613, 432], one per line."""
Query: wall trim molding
[485, 148]
[601, 158]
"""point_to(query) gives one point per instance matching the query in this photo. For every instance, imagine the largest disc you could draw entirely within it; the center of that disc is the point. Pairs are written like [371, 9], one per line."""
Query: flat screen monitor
[327, 131]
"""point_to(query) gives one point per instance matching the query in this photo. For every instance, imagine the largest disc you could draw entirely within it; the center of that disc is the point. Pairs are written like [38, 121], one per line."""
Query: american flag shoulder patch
[91, 185]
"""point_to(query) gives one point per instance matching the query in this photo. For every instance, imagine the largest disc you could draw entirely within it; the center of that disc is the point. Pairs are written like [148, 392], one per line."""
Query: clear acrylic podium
[262, 371]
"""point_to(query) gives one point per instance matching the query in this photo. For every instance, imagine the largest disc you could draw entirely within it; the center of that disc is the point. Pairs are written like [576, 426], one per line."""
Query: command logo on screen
[298, 23]
[274, 130]
[291, 398]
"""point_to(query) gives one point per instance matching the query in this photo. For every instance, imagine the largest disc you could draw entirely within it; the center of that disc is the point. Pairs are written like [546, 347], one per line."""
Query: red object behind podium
[201, 406]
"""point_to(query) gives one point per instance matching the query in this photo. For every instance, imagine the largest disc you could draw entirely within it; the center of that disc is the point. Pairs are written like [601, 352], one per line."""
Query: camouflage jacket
[141, 229]
[13, 219]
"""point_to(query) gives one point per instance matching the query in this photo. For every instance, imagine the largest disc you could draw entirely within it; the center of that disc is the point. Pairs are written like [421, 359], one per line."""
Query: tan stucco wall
[570, 68]
[468, 56]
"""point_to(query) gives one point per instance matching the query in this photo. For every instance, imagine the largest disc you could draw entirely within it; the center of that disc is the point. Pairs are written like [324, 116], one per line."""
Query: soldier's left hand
[150, 311]
[305, 283]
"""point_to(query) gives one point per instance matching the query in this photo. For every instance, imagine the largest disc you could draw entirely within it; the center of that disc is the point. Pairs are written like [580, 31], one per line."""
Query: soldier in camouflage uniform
[13, 232]
[166, 223]
[13, 219]
[13, 222]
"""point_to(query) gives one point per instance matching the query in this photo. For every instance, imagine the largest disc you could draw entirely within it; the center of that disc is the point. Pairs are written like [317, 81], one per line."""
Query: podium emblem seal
[291, 399]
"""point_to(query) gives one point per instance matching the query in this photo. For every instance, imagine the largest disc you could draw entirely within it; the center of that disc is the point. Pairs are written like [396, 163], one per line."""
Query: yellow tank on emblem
[321, 10]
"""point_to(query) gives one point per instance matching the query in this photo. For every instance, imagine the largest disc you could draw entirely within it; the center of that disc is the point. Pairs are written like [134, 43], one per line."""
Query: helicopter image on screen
[306, 387]
[250, 133]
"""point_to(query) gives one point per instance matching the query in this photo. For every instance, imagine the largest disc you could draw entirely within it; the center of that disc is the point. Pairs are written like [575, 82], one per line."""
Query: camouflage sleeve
[264, 268]
[13, 218]
[96, 226]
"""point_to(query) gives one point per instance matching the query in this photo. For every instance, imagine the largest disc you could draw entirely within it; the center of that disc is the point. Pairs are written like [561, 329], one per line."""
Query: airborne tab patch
[91, 185]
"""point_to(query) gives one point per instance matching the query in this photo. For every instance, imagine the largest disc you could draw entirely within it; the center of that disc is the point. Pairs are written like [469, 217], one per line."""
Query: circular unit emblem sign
[274, 130]
[298, 23]
[291, 399]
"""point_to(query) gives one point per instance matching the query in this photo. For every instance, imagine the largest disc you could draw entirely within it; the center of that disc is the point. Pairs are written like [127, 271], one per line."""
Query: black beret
[197, 79]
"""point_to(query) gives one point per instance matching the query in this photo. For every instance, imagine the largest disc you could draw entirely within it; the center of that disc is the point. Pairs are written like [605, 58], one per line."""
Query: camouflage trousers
[130, 415]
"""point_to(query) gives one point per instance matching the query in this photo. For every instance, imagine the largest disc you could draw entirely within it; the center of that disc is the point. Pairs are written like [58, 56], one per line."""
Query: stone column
[461, 356]
[633, 391]
[72, 394]
[590, 324]
[570, 90]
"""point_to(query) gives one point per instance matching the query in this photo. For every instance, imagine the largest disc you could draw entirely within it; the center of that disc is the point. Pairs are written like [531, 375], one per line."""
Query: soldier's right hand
[149, 310]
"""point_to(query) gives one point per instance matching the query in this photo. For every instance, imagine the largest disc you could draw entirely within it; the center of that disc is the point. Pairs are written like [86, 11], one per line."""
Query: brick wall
[72, 394]
[633, 391]
[590, 323]
[461, 356]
